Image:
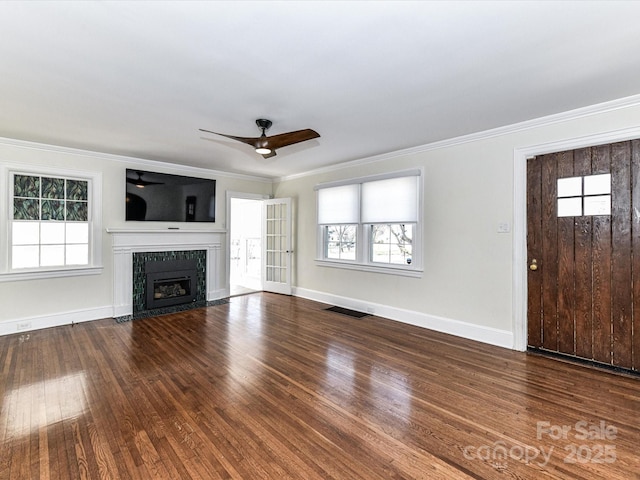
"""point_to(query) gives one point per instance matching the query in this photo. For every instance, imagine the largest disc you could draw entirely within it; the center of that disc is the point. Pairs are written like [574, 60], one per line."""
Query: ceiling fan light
[263, 150]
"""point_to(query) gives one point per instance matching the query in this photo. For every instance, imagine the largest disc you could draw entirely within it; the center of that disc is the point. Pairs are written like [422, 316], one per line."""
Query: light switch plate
[504, 227]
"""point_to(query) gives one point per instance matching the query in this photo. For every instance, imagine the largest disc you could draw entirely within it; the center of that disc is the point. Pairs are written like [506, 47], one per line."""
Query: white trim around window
[94, 265]
[351, 212]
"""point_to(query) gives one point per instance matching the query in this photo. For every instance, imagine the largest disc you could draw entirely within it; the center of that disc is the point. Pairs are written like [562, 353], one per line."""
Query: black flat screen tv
[163, 197]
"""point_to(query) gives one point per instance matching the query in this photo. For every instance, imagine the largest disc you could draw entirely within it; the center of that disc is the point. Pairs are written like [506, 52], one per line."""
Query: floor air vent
[346, 311]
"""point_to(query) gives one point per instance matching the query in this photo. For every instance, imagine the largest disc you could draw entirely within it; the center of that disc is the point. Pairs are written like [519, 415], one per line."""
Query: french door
[583, 247]
[277, 253]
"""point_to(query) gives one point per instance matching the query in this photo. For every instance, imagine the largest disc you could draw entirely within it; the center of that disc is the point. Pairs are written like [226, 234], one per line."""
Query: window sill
[43, 274]
[390, 270]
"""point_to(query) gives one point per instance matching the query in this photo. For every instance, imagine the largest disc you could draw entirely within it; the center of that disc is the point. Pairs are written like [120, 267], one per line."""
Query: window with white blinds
[371, 222]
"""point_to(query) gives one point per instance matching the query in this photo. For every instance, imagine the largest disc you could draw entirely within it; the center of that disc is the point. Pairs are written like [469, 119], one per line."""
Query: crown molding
[600, 108]
[597, 109]
[111, 157]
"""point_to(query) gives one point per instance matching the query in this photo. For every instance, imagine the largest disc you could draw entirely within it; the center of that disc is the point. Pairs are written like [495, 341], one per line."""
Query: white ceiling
[140, 78]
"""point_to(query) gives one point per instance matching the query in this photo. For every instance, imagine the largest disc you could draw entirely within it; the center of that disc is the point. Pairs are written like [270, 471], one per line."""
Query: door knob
[534, 265]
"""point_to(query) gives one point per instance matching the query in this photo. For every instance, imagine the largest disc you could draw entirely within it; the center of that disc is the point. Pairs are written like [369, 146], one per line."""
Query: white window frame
[94, 266]
[363, 260]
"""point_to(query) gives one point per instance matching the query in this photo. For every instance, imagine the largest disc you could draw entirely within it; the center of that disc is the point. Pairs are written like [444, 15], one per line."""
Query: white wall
[468, 282]
[467, 286]
[47, 302]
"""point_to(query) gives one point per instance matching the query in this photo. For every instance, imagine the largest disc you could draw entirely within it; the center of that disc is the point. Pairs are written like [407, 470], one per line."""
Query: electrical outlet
[23, 326]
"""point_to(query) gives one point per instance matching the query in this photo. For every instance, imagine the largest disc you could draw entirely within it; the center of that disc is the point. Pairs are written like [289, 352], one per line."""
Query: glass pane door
[277, 246]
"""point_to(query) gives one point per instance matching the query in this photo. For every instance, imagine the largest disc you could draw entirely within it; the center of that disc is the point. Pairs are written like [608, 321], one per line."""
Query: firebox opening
[170, 282]
[171, 288]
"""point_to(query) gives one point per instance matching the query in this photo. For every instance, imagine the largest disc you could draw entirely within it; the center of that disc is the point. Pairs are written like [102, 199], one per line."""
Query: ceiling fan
[266, 146]
[139, 182]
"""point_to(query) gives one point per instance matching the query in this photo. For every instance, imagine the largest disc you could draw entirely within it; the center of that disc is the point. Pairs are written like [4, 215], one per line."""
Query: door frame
[229, 196]
[519, 251]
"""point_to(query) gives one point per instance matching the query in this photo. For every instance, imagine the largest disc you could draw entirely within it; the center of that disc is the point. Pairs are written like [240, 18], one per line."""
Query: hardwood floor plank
[275, 387]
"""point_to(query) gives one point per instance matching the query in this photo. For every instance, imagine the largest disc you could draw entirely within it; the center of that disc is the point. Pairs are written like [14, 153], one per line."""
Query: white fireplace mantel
[126, 242]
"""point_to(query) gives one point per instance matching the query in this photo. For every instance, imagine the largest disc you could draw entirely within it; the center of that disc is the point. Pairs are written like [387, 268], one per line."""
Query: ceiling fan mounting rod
[264, 124]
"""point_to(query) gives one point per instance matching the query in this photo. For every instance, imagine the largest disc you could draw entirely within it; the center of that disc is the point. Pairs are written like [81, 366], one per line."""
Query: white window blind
[394, 200]
[372, 223]
[338, 205]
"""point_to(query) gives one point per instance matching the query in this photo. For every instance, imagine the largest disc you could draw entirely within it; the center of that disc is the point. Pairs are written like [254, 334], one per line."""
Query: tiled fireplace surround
[126, 242]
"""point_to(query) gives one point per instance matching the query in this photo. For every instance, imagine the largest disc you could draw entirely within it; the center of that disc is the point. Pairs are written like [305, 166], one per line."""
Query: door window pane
[570, 187]
[570, 207]
[597, 205]
[597, 184]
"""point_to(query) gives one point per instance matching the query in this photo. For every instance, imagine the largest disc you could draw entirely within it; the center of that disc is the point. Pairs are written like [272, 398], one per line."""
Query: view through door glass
[245, 239]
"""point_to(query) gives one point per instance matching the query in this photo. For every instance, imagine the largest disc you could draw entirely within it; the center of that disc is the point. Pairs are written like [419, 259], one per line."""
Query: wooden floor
[274, 387]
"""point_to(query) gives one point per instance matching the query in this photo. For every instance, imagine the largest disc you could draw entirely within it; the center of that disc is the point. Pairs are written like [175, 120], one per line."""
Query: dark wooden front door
[583, 246]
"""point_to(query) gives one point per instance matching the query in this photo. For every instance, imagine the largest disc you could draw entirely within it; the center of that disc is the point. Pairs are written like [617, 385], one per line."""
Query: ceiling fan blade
[274, 142]
[253, 141]
[290, 138]
[139, 182]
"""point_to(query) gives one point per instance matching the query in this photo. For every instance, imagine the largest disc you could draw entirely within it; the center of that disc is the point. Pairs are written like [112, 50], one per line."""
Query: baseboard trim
[218, 294]
[470, 331]
[28, 324]
[458, 328]
[58, 319]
